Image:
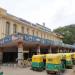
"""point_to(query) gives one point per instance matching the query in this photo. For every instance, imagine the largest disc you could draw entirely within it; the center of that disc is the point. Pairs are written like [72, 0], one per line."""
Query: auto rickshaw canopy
[53, 58]
[38, 58]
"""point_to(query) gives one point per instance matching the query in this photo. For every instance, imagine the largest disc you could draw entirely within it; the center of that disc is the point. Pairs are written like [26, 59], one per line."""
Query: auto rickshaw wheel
[34, 69]
[47, 72]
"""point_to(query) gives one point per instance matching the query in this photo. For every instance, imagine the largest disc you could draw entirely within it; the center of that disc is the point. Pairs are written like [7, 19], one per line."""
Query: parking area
[27, 71]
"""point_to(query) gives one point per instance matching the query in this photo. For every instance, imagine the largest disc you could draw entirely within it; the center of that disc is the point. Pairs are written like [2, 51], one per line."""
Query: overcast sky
[55, 13]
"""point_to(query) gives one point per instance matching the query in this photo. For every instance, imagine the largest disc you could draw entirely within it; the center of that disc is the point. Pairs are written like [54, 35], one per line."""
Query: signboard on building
[7, 39]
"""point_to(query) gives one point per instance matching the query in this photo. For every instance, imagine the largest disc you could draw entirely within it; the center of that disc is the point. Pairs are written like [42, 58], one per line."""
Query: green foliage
[68, 32]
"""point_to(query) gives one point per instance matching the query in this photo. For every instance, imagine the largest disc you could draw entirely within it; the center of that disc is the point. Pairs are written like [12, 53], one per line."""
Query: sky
[55, 13]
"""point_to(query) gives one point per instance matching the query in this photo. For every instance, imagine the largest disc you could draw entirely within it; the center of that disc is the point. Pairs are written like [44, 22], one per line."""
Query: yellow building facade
[10, 24]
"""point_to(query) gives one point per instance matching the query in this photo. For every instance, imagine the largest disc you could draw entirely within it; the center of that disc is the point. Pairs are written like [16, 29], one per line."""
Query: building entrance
[10, 57]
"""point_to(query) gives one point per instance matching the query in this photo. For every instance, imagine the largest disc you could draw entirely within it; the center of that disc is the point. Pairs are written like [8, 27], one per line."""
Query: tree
[68, 32]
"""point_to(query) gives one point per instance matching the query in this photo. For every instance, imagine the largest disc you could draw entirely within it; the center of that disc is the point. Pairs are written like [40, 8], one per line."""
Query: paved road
[27, 71]
[69, 72]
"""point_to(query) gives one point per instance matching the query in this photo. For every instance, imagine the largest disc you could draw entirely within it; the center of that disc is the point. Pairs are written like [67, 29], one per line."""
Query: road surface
[26, 71]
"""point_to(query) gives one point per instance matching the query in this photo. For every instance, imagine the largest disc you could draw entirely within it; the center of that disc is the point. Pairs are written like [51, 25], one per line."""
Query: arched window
[14, 28]
[7, 28]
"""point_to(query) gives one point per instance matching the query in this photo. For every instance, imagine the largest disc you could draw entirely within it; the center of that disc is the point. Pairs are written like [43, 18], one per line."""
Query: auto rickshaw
[54, 64]
[63, 61]
[68, 58]
[38, 62]
[73, 58]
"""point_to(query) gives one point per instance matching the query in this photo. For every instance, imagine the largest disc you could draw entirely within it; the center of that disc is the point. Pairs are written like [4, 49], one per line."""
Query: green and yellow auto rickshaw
[63, 61]
[38, 62]
[73, 58]
[68, 58]
[54, 64]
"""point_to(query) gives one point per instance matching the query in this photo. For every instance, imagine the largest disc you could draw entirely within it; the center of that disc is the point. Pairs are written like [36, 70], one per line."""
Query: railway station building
[20, 39]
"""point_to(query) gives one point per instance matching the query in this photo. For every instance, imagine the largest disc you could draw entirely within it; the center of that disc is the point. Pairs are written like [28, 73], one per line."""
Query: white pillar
[20, 54]
[38, 49]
